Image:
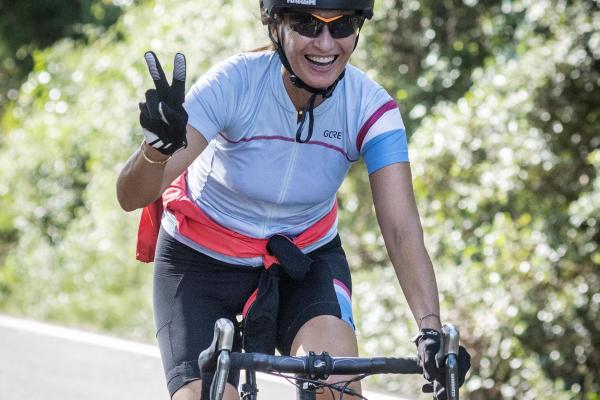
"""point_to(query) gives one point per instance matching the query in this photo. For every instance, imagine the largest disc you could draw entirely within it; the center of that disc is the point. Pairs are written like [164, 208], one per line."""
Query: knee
[192, 390]
[326, 333]
[189, 391]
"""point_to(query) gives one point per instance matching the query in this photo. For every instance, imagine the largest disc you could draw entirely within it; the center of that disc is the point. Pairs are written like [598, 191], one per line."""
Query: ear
[264, 18]
[274, 33]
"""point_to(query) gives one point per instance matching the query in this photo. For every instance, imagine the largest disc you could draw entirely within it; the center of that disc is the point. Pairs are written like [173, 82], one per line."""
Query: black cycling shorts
[193, 290]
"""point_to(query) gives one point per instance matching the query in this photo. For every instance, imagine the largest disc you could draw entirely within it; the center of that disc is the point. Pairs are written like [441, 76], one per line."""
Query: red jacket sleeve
[148, 231]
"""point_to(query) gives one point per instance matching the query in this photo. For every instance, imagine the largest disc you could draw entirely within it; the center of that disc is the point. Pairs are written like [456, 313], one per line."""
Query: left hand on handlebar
[428, 345]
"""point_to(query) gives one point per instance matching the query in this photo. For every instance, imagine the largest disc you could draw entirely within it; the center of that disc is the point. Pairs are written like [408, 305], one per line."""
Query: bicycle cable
[342, 386]
[347, 390]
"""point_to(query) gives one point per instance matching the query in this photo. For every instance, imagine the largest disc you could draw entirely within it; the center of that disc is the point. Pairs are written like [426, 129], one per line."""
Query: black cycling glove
[162, 115]
[428, 346]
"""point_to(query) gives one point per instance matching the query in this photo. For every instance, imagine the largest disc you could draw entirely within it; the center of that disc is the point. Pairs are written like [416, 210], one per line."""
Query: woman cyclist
[254, 153]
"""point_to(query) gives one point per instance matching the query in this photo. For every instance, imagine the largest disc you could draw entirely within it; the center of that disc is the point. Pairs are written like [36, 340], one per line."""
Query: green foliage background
[28, 26]
[502, 99]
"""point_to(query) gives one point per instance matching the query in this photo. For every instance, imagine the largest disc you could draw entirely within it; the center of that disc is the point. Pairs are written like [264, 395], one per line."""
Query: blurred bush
[506, 173]
[68, 250]
[27, 26]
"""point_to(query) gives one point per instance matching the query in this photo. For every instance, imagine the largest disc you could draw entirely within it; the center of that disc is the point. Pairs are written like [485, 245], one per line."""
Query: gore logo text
[332, 134]
[303, 2]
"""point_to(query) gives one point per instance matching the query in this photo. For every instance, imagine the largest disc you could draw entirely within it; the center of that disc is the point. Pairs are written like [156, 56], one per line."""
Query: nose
[324, 41]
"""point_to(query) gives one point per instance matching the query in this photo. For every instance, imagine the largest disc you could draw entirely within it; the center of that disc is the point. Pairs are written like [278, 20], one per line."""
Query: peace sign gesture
[162, 115]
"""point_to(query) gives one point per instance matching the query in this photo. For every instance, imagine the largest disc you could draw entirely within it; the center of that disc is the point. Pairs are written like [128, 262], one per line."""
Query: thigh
[325, 291]
[191, 291]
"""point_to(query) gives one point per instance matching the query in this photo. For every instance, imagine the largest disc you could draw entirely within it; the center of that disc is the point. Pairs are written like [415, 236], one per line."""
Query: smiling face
[317, 61]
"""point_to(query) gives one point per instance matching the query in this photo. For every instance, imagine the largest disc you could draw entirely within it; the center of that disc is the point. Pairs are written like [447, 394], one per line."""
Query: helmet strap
[307, 109]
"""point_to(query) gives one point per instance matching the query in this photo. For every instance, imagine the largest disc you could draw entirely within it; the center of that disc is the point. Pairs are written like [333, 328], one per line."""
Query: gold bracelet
[151, 161]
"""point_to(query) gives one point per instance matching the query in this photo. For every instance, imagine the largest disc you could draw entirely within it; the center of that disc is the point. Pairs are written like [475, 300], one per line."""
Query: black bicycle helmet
[269, 8]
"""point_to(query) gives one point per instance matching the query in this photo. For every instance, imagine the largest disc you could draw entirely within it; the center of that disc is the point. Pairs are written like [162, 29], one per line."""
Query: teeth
[321, 60]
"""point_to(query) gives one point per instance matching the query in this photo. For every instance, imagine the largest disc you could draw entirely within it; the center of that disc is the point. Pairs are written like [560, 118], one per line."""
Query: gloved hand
[428, 343]
[162, 115]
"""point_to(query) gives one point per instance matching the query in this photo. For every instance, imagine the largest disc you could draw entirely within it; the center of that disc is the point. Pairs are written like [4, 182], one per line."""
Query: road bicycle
[311, 370]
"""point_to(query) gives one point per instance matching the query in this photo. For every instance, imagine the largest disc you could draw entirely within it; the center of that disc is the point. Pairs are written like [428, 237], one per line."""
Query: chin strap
[308, 108]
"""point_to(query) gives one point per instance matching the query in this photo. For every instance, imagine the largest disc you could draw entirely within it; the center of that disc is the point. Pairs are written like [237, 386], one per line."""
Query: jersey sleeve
[382, 138]
[214, 99]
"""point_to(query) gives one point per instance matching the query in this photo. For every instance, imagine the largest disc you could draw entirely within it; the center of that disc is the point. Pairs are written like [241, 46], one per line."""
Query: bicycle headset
[271, 9]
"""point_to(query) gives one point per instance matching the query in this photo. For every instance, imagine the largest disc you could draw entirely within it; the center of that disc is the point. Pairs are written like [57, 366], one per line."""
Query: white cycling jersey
[254, 178]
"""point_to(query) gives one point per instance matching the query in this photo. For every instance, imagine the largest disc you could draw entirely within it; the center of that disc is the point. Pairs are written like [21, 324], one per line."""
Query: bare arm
[141, 182]
[402, 232]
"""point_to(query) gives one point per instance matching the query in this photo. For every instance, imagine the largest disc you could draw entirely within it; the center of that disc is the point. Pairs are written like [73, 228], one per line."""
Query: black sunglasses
[311, 25]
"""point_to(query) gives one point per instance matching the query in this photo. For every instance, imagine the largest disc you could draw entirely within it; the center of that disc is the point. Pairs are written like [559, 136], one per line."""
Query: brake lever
[447, 358]
[222, 340]
[218, 352]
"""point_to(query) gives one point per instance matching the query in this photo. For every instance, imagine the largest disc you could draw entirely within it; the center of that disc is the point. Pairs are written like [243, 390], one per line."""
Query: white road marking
[76, 335]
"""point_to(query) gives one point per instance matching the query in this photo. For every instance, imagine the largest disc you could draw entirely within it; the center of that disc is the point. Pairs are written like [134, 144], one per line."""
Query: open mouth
[321, 61]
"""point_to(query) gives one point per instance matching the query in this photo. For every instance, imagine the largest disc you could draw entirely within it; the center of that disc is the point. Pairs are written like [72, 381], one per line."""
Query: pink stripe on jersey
[390, 105]
[284, 138]
[288, 139]
[330, 146]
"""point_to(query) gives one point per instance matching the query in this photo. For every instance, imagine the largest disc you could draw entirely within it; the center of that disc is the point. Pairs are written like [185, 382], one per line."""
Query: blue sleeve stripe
[388, 148]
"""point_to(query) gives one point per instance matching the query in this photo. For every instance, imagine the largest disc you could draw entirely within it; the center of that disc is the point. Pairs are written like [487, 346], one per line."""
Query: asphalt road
[46, 362]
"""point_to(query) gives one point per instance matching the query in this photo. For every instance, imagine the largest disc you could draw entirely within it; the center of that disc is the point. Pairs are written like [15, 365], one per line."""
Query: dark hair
[267, 47]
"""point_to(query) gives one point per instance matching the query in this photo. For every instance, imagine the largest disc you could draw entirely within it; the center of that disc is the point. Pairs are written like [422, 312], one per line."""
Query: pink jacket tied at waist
[194, 224]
